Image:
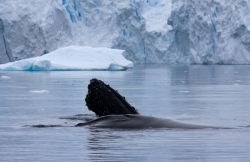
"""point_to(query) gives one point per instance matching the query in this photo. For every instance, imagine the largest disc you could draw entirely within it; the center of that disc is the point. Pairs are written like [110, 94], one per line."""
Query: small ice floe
[39, 91]
[5, 77]
[183, 91]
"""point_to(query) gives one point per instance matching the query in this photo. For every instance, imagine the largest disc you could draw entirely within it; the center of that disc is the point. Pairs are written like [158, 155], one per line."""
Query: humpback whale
[113, 111]
[104, 100]
[133, 121]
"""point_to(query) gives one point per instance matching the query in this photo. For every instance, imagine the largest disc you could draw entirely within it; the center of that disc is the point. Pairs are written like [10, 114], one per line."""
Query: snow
[156, 12]
[73, 58]
[150, 31]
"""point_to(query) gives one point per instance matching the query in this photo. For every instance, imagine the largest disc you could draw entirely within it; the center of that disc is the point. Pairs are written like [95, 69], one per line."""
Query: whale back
[104, 100]
[134, 121]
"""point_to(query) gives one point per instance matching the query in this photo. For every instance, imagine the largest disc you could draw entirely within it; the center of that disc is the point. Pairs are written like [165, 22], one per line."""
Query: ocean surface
[212, 95]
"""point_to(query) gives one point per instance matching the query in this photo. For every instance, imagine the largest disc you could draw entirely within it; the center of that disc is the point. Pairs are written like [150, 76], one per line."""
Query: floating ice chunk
[5, 77]
[73, 58]
[183, 91]
[114, 67]
[39, 91]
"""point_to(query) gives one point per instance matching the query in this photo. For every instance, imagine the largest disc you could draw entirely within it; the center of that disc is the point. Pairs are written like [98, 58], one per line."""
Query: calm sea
[212, 95]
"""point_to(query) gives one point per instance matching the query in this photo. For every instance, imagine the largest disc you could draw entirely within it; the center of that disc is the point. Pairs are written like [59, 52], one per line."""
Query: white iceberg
[5, 77]
[73, 58]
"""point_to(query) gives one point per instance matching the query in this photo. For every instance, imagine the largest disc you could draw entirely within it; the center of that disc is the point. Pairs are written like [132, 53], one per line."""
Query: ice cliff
[150, 31]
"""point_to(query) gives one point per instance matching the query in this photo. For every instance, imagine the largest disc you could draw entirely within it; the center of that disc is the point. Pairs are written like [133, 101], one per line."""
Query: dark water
[214, 95]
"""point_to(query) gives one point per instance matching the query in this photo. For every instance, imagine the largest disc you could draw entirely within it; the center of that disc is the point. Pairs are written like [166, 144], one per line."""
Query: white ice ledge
[73, 58]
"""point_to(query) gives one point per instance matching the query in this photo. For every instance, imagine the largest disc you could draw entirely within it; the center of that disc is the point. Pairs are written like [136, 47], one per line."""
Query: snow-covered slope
[150, 31]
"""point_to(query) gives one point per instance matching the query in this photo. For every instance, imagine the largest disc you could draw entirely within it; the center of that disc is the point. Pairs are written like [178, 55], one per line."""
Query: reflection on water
[214, 95]
[105, 145]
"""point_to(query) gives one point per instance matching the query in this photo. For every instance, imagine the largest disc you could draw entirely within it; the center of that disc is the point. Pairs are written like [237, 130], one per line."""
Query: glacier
[73, 58]
[150, 31]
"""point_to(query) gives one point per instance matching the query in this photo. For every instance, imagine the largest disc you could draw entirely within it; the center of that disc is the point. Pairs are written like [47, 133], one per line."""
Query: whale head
[104, 100]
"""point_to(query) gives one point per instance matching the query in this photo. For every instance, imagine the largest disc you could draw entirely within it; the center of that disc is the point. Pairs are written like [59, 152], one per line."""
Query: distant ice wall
[212, 32]
[5, 52]
[32, 28]
[151, 31]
